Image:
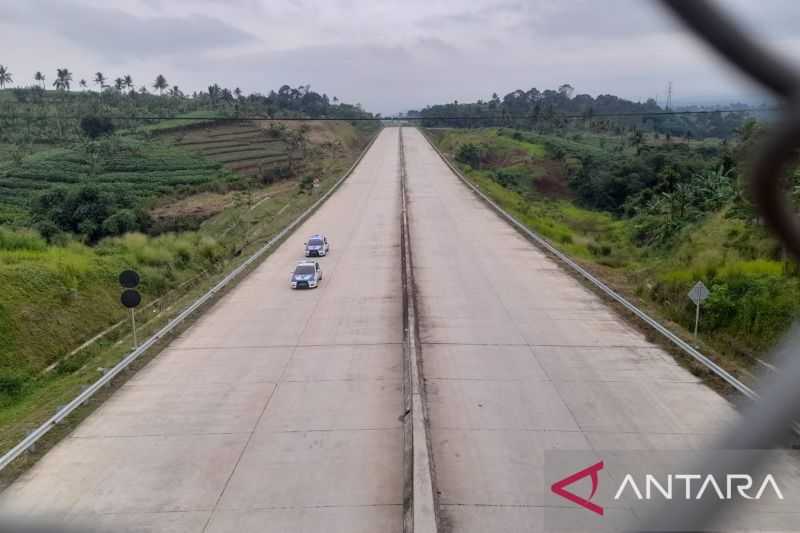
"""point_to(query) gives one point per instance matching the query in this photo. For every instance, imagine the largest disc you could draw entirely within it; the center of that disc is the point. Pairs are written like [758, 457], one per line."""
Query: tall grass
[56, 296]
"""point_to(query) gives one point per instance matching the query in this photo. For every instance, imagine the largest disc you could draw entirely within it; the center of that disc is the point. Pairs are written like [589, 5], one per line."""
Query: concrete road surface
[277, 411]
[520, 358]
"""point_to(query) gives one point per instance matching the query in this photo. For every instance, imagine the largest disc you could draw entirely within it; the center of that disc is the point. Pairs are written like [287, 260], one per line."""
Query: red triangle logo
[558, 487]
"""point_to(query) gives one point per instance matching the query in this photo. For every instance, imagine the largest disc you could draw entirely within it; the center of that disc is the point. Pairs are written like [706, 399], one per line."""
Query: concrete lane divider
[420, 503]
[87, 393]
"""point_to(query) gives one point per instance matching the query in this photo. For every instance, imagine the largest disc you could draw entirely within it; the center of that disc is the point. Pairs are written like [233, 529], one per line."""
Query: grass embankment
[58, 295]
[754, 293]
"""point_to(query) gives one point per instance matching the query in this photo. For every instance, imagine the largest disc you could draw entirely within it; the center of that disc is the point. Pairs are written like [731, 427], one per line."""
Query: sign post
[698, 295]
[133, 327]
[130, 297]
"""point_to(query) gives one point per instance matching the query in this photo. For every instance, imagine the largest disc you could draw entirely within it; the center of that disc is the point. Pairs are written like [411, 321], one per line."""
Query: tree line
[300, 100]
[551, 110]
[34, 114]
[64, 80]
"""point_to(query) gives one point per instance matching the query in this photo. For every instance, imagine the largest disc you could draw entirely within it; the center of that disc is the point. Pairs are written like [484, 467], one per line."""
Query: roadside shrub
[12, 384]
[88, 211]
[21, 240]
[754, 268]
[122, 221]
[154, 255]
[274, 174]
[306, 184]
[603, 250]
[48, 230]
[209, 250]
[469, 154]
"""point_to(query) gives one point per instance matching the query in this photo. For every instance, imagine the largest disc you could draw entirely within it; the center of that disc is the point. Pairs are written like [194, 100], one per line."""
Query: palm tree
[119, 84]
[39, 77]
[175, 91]
[5, 76]
[128, 81]
[63, 79]
[83, 84]
[238, 92]
[214, 93]
[100, 80]
[160, 84]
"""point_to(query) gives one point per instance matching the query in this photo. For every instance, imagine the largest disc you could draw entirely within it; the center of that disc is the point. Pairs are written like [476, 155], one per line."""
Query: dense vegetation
[652, 216]
[550, 111]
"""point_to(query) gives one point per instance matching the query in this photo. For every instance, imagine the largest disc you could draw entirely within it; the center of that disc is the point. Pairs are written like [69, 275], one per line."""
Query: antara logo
[558, 487]
[694, 486]
[706, 484]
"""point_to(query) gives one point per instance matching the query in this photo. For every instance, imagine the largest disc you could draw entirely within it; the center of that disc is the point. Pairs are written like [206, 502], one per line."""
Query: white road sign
[698, 293]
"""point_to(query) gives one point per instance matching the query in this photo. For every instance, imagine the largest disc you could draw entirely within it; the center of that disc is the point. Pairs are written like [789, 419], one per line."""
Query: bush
[469, 154]
[273, 174]
[306, 184]
[122, 221]
[209, 249]
[21, 240]
[48, 230]
[94, 127]
[13, 383]
[87, 211]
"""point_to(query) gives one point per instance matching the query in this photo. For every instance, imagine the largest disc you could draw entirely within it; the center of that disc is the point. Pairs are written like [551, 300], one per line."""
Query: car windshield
[315, 242]
[304, 270]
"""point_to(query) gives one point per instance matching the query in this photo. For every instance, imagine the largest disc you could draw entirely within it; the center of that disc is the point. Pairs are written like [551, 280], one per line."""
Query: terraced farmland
[241, 147]
[138, 168]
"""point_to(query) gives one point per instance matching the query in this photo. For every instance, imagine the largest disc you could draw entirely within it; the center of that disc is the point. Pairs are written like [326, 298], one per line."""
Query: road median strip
[421, 509]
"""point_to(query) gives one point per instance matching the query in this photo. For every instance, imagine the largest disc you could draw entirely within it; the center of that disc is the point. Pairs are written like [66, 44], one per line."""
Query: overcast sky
[387, 55]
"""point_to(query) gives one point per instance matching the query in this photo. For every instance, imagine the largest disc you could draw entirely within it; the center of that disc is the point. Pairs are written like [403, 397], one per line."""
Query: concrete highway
[277, 411]
[520, 358]
[280, 410]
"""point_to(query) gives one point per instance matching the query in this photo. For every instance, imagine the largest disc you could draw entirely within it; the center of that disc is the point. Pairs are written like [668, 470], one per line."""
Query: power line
[502, 117]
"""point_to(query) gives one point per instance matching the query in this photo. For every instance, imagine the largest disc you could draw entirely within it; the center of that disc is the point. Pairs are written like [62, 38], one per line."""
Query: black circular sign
[130, 298]
[129, 279]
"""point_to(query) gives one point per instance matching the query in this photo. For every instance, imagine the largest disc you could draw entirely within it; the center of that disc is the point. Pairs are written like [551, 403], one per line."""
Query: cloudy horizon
[388, 56]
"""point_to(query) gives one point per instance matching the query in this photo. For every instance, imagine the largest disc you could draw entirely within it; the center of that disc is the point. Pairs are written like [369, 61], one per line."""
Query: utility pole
[669, 96]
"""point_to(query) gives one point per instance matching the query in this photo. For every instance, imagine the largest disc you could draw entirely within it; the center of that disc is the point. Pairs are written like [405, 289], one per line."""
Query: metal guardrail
[764, 423]
[66, 410]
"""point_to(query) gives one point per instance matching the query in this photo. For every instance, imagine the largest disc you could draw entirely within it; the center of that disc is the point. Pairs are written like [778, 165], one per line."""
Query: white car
[317, 246]
[306, 275]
